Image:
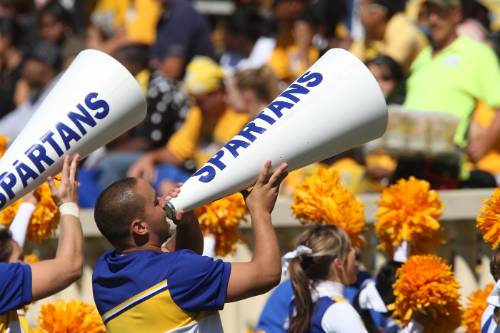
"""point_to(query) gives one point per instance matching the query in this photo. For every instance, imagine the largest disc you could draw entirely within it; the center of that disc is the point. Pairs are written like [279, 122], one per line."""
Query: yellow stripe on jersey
[158, 313]
[135, 299]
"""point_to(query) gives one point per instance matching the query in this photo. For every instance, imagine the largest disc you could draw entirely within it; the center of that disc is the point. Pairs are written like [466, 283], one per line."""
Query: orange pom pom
[44, 220]
[476, 304]
[488, 221]
[425, 284]
[322, 199]
[69, 316]
[221, 218]
[408, 211]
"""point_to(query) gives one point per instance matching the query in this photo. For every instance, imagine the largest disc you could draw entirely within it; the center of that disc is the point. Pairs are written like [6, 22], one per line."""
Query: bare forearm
[263, 272]
[70, 246]
[51, 276]
[189, 236]
[266, 253]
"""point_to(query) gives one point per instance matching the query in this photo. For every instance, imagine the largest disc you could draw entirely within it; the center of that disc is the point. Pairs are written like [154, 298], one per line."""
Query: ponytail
[301, 321]
[325, 243]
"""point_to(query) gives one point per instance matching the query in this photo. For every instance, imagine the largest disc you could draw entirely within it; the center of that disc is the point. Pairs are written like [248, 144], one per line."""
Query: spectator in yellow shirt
[209, 125]
[387, 31]
[115, 23]
[290, 60]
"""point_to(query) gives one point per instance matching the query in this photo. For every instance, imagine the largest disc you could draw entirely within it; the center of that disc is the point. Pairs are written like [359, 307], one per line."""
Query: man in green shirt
[453, 74]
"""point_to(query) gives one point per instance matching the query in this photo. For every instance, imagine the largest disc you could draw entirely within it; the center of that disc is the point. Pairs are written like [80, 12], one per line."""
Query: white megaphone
[335, 105]
[93, 102]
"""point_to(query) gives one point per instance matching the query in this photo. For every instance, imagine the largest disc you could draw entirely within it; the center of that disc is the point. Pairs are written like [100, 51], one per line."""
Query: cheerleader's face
[345, 271]
[351, 267]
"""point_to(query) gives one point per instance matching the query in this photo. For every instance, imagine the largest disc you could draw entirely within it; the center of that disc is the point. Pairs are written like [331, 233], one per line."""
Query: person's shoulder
[189, 261]
[339, 308]
[186, 254]
[470, 46]
[112, 261]
[185, 8]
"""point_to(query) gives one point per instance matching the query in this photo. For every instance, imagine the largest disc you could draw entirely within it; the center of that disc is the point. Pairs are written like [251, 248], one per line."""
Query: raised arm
[263, 272]
[188, 232]
[51, 276]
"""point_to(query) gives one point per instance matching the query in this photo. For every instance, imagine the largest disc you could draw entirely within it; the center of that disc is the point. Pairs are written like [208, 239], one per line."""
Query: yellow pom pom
[221, 218]
[3, 144]
[408, 211]
[44, 220]
[322, 199]
[476, 304]
[425, 284]
[69, 316]
[488, 221]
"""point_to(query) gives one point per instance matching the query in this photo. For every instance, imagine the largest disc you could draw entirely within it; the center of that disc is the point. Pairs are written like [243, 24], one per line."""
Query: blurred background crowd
[208, 67]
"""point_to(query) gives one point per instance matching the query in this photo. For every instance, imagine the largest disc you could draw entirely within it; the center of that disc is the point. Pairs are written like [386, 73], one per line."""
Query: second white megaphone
[94, 101]
[335, 105]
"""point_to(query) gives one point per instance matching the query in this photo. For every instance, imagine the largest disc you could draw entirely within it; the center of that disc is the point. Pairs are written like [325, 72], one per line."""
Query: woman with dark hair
[54, 23]
[390, 77]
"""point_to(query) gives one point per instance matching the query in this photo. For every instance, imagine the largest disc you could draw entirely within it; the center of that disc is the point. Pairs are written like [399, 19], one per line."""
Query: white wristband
[70, 208]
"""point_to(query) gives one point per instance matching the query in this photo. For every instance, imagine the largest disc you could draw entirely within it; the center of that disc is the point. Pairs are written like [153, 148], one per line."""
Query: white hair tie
[494, 298]
[299, 251]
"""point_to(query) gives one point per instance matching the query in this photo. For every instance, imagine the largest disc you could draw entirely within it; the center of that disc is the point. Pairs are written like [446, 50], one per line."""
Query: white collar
[327, 288]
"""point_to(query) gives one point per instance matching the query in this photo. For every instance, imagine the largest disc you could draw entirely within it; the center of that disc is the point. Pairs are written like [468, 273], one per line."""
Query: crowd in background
[206, 75]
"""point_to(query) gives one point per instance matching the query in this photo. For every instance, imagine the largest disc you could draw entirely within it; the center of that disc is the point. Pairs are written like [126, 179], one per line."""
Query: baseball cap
[203, 75]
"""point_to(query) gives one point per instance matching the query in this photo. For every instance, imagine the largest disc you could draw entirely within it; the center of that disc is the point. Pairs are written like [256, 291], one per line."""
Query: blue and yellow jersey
[15, 292]
[164, 292]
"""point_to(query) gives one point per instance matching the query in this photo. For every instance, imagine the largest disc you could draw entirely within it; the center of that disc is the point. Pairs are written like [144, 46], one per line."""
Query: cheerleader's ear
[338, 268]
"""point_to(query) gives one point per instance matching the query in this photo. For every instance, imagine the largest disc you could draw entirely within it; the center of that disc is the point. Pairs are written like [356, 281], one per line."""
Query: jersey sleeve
[15, 286]
[342, 318]
[198, 283]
